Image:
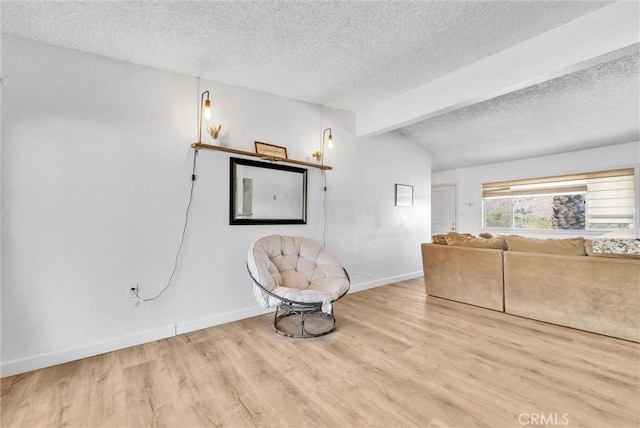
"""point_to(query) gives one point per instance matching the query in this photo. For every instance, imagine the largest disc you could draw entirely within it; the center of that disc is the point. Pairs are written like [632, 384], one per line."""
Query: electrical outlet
[131, 292]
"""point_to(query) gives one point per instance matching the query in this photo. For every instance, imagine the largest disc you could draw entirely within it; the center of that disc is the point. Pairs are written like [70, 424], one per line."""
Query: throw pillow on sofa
[588, 246]
[452, 237]
[568, 246]
[439, 239]
[459, 240]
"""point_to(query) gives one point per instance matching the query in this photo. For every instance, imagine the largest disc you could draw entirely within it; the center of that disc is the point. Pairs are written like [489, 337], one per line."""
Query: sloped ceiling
[353, 54]
[594, 107]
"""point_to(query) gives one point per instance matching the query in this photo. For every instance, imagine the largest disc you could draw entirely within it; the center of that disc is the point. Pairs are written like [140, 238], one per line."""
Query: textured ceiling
[594, 107]
[352, 54]
[343, 54]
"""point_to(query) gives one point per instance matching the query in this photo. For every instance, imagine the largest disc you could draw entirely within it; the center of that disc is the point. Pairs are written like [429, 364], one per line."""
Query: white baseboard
[384, 281]
[189, 326]
[40, 361]
[36, 362]
[49, 359]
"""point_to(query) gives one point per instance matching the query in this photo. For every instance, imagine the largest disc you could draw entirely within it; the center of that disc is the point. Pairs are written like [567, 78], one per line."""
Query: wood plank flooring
[396, 359]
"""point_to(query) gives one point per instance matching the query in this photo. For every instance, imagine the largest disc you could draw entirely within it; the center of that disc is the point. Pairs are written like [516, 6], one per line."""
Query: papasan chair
[301, 279]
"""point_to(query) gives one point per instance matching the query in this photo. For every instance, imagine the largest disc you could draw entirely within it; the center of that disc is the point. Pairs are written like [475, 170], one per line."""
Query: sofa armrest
[467, 275]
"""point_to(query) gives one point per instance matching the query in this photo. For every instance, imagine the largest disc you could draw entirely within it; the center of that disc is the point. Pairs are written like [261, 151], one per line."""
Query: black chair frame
[302, 310]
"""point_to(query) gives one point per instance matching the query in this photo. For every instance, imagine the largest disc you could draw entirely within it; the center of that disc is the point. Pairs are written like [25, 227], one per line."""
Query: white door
[443, 209]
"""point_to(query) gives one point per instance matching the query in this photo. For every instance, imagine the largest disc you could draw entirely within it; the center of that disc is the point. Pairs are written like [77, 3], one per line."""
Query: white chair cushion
[296, 269]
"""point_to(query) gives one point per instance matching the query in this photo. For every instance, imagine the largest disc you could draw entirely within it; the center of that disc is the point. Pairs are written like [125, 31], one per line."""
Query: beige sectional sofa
[547, 280]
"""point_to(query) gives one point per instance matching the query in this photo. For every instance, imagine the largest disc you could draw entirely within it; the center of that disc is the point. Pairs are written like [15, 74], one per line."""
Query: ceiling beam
[604, 34]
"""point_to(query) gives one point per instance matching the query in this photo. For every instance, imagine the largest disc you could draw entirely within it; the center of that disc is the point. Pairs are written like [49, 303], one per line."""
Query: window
[600, 200]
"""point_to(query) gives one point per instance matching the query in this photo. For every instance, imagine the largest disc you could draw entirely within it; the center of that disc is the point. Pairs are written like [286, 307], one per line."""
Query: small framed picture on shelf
[404, 195]
[269, 150]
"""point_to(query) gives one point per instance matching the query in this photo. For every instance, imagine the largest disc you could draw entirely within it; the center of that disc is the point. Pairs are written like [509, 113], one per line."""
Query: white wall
[96, 169]
[469, 180]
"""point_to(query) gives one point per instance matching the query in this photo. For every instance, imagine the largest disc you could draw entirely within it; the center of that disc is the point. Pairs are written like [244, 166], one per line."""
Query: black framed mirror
[266, 193]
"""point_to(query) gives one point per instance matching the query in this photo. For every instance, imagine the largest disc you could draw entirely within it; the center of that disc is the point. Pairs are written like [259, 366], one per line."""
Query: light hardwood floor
[396, 359]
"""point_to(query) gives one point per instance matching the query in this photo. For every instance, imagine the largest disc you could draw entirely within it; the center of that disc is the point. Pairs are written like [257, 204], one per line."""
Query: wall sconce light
[330, 140]
[329, 143]
[205, 110]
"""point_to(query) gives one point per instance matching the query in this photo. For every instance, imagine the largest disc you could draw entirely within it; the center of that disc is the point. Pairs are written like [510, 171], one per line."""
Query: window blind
[609, 194]
[610, 200]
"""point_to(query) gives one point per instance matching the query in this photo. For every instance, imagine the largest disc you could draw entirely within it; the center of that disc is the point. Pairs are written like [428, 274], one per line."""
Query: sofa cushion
[458, 240]
[568, 246]
[588, 247]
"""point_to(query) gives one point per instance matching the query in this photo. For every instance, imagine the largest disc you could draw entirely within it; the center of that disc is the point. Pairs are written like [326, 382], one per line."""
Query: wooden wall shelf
[256, 155]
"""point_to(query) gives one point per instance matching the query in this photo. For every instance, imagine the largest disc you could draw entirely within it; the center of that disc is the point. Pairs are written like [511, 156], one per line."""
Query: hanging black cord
[184, 232]
[324, 208]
